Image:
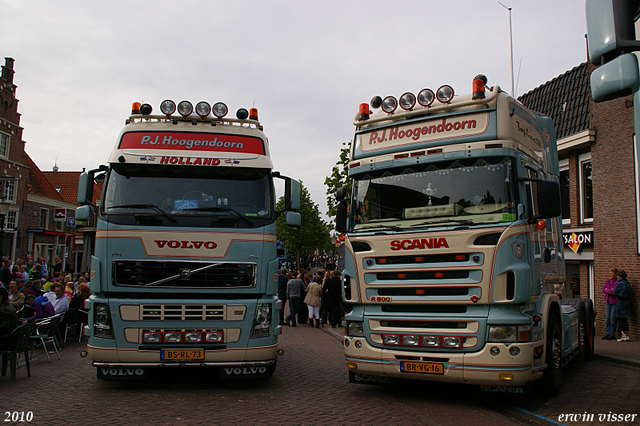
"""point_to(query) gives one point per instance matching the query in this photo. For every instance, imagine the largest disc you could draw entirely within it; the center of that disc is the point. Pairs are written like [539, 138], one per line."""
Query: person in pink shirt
[611, 302]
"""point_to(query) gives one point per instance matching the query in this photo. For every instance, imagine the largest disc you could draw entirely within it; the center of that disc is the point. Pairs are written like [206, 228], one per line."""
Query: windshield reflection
[238, 195]
[466, 191]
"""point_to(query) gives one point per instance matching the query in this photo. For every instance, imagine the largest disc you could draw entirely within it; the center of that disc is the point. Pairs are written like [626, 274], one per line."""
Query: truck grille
[183, 274]
[182, 312]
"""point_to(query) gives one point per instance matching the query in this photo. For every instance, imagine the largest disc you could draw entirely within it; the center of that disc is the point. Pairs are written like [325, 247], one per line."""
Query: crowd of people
[33, 291]
[313, 298]
[617, 298]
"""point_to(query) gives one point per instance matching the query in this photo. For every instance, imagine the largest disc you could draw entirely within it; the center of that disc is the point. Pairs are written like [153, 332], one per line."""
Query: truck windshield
[188, 196]
[466, 191]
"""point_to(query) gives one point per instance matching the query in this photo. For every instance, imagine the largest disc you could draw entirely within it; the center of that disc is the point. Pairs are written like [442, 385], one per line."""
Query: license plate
[422, 367]
[182, 354]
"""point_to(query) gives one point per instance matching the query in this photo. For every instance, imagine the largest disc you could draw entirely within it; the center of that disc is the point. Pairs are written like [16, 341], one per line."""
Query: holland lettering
[396, 134]
[190, 161]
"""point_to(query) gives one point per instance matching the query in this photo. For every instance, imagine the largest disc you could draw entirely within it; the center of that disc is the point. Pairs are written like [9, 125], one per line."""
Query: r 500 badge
[380, 299]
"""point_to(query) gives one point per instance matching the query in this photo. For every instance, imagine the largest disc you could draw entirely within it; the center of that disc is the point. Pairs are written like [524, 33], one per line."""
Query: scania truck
[452, 244]
[184, 271]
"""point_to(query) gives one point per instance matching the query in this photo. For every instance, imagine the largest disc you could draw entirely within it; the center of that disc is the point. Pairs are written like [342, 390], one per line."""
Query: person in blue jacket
[623, 293]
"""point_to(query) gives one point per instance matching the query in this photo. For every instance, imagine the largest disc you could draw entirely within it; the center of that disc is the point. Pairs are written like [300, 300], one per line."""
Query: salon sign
[578, 240]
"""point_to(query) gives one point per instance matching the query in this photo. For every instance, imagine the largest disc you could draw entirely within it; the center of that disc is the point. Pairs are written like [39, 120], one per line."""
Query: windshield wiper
[219, 209]
[144, 206]
[436, 222]
[390, 227]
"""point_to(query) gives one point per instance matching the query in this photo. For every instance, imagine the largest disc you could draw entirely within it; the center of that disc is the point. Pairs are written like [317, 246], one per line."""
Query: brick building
[35, 224]
[598, 181]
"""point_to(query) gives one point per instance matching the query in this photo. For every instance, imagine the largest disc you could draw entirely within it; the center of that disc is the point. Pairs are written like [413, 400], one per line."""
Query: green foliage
[313, 232]
[339, 177]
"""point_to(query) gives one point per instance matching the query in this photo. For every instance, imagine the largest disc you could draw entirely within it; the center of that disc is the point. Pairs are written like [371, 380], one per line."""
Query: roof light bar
[185, 108]
[145, 109]
[445, 94]
[242, 114]
[168, 107]
[426, 97]
[389, 104]
[220, 109]
[203, 109]
[407, 101]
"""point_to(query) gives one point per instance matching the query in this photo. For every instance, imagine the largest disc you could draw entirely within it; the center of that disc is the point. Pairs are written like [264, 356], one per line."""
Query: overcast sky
[306, 65]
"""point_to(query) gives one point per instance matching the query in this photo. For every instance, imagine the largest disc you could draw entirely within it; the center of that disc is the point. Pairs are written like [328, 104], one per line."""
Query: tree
[313, 232]
[339, 177]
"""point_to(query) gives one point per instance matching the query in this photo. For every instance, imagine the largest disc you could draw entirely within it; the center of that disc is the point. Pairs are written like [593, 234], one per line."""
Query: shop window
[565, 192]
[44, 218]
[586, 188]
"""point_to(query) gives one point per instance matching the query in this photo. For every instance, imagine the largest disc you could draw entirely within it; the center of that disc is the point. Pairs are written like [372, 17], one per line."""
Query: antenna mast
[513, 93]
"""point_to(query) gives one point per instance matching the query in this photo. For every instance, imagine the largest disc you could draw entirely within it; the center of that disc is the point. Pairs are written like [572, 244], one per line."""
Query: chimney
[7, 70]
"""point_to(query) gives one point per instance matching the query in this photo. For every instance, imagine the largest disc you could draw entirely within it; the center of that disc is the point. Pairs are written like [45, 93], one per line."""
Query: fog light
[213, 336]
[352, 365]
[193, 337]
[391, 339]
[346, 343]
[495, 351]
[430, 341]
[151, 337]
[452, 342]
[172, 337]
[505, 376]
[410, 340]
[358, 344]
[514, 351]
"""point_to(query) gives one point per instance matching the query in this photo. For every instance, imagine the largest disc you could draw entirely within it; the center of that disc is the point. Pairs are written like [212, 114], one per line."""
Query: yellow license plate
[422, 367]
[182, 354]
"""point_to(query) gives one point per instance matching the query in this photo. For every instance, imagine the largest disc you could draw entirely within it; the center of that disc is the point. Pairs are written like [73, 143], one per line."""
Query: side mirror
[341, 194]
[292, 219]
[341, 216]
[85, 185]
[291, 193]
[83, 213]
[548, 199]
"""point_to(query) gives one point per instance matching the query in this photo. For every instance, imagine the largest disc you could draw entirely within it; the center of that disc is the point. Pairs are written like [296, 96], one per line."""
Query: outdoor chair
[18, 343]
[46, 332]
[75, 320]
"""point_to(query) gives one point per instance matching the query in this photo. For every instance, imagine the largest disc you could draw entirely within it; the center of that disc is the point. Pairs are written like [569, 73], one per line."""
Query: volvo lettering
[453, 246]
[184, 269]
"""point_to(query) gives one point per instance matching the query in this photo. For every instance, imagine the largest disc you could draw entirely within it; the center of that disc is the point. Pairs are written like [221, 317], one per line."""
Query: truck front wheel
[552, 377]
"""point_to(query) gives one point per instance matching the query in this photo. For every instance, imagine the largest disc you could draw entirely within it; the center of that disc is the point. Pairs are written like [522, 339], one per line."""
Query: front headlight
[355, 329]
[262, 321]
[510, 333]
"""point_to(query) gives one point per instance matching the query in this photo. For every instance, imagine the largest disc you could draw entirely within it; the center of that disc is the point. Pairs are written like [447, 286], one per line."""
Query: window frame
[5, 139]
[45, 217]
[563, 165]
[582, 159]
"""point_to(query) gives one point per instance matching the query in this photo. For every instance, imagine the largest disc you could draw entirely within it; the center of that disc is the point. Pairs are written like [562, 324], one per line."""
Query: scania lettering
[184, 266]
[453, 246]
